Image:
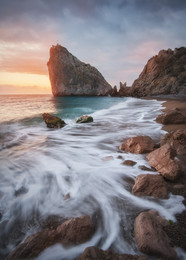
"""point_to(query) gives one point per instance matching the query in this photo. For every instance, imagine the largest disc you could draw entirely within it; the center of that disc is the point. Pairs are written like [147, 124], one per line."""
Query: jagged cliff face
[164, 74]
[69, 76]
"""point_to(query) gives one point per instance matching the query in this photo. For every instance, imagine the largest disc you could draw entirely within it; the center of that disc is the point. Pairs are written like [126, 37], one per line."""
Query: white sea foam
[41, 166]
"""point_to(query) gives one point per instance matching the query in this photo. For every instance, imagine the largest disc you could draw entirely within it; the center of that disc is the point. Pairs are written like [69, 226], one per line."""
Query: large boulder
[69, 76]
[138, 144]
[163, 160]
[94, 253]
[53, 121]
[177, 141]
[75, 231]
[172, 116]
[72, 232]
[150, 236]
[150, 185]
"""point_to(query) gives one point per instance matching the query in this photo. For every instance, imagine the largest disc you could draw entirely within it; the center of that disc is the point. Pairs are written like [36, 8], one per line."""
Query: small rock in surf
[84, 119]
[53, 121]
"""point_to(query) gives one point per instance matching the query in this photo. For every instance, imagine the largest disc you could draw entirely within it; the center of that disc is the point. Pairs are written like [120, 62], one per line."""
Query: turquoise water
[21, 107]
[40, 166]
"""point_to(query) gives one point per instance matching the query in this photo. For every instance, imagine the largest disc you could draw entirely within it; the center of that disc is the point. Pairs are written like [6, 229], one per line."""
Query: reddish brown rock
[94, 253]
[71, 232]
[145, 168]
[150, 185]
[150, 237]
[177, 141]
[138, 144]
[171, 117]
[33, 245]
[163, 160]
[129, 163]
[75, 231]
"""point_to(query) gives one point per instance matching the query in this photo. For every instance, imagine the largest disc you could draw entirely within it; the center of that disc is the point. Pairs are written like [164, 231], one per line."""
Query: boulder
[138, 144]
[163, 160]
[75, 231]
[84, 119]
[72, 232]
[69, 76]
[150, 185]
[150, 236]
[177, 141]
[163, 74]
[53, 121]
[172, 116]
[94, 253]
[129, 163]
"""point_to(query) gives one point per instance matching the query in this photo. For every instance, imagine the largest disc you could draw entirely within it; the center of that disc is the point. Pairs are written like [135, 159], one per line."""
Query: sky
[116, 36]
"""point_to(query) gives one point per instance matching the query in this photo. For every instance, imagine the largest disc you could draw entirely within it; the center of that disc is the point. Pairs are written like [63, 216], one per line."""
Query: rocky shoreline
[154, 235]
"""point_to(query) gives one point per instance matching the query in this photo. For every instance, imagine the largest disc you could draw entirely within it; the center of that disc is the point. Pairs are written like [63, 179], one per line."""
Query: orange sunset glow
[117, 38]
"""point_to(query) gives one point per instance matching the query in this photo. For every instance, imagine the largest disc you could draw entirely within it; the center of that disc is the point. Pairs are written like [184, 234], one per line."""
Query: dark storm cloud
[116, 36]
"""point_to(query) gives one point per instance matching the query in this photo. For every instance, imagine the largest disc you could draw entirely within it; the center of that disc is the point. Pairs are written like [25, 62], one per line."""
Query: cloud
[117, 37]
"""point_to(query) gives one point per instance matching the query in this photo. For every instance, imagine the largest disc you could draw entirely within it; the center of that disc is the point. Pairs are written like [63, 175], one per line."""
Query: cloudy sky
[115, 36]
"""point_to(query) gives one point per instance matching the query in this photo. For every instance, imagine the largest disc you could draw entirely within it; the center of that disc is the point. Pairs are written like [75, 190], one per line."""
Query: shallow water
[40, 166]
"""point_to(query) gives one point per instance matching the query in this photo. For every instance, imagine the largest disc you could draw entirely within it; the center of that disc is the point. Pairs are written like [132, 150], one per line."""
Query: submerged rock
[138, 144]
[71, 232]
[129, 163]
[150, 185]
[84, 119]
[94, 253]
[53, 121]
[145, 168]
[163, 160]
[150, 236]
[69, 76]
[108, 158]
[172, 116]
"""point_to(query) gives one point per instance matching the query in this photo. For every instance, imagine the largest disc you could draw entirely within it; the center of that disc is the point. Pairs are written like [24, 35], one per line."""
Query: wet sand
[173, 102]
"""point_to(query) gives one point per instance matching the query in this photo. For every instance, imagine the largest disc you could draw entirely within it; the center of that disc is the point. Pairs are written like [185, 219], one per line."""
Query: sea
[74, 171]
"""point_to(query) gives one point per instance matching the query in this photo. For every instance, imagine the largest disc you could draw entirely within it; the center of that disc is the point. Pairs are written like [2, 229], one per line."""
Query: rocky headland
[71, 77]
[164, 74]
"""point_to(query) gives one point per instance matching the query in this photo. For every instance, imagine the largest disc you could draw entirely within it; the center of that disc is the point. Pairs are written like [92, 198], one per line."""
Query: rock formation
[173, 116]
[94, 253]
[69, 76]
[138, 144]
[72, 232]
[150, 237]
[150, 185]
[84, 119]
[163, 74]
[163, 160]
[53, 121]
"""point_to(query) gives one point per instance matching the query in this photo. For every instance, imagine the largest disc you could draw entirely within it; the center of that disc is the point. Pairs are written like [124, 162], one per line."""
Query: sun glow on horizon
[24, 82]
[24, 79]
